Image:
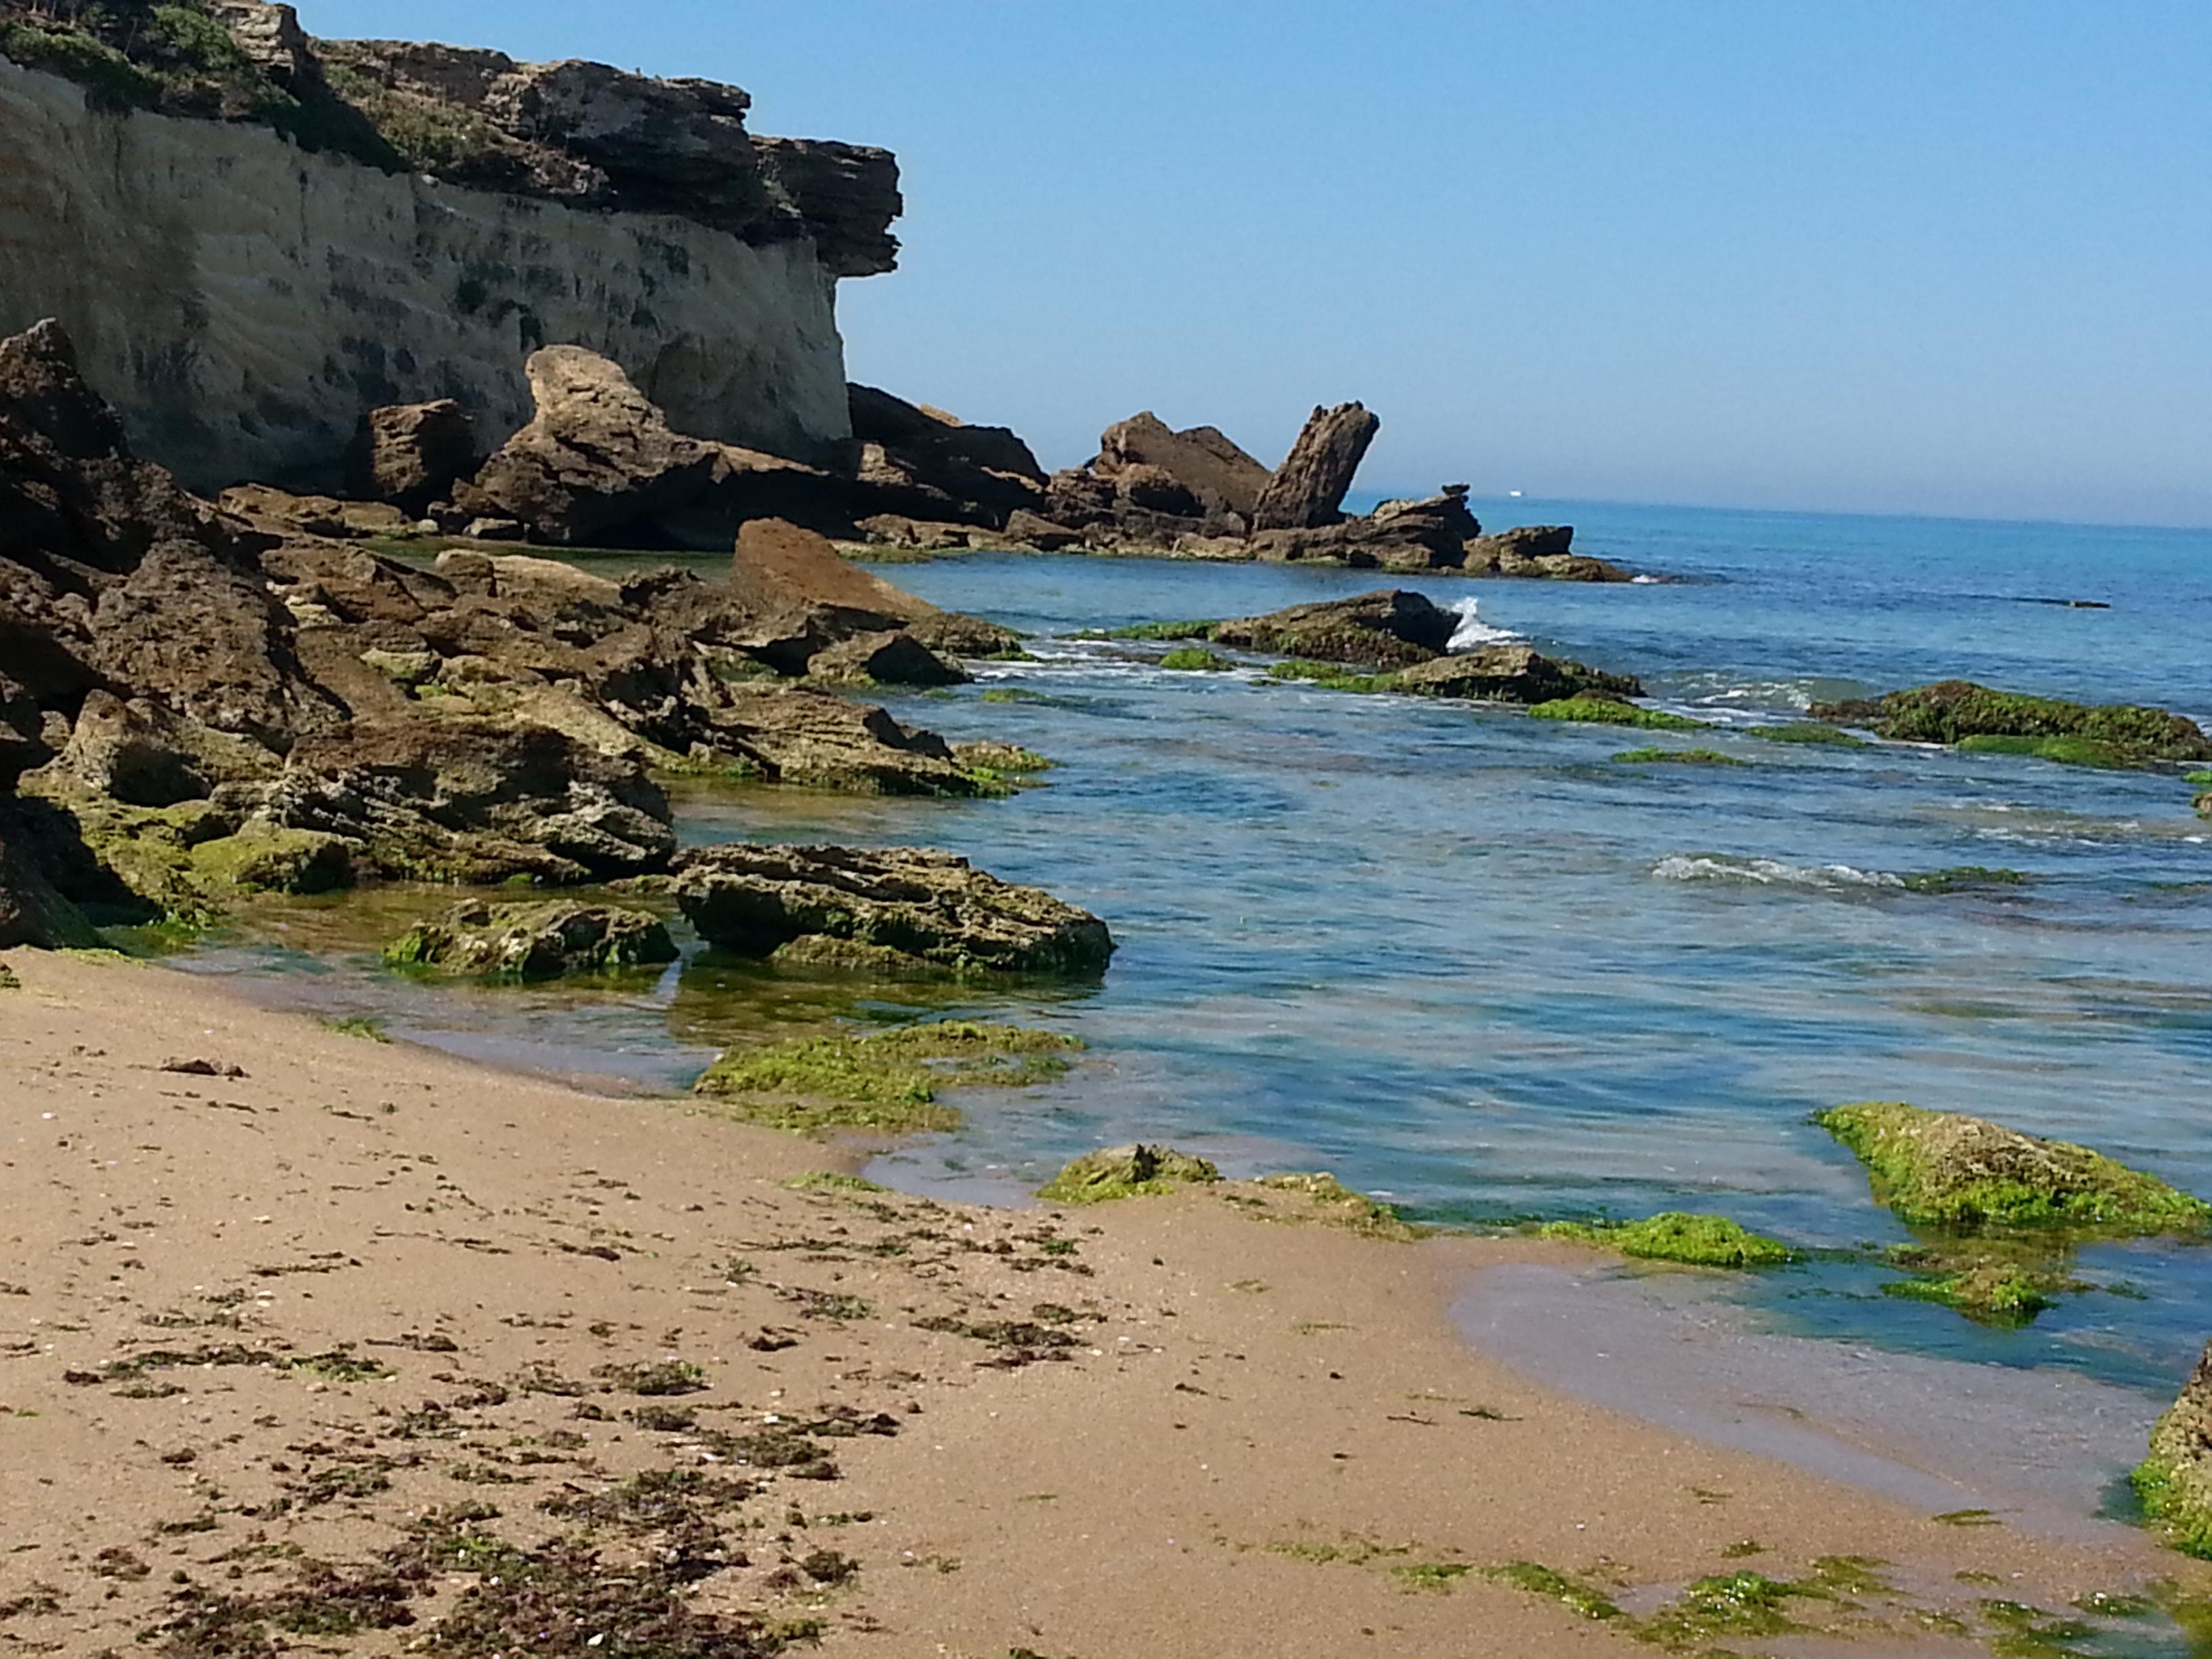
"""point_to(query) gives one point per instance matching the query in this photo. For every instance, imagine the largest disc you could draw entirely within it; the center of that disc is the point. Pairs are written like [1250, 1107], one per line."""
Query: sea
[1478, 965]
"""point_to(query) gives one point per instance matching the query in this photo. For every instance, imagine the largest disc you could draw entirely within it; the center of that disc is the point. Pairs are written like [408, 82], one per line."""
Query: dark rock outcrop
[410, 455]
[1976, 717]
[1431, 533]
[779, 568]
[526, 943]
[1390, 628]
[888, 911]
[1306, 491]
[1541, 550]
[1512, 674]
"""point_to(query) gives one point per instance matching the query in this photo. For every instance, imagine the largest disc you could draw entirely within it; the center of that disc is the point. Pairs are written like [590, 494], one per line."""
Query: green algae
[1608, 711]
[885, 1079]
[1431, 1575]
[1135, 1171]
[2176, 1496]
[1537, 1579]
[1945, 1169]
[1808, 732]
[1962, 878]
[1331, 676]
[1196, 659]
[1702, 1241]
[366, 1027]
[1731, 1604]
[1677, 757]
[522, 943]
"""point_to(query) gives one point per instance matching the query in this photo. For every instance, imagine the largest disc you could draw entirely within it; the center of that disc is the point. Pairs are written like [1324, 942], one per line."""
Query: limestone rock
[1390, 627]
[599, 456]
[1306, 491]
[931, 908]
[792, 736]
[1538, 550]
[531, 942]
[411, 454]
[1512, 674]
[846, 194]
[1202, 459]
[778, 568]
[269, 508]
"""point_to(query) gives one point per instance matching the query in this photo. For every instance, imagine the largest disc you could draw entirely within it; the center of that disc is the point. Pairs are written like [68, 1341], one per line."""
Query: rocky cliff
[256, 238]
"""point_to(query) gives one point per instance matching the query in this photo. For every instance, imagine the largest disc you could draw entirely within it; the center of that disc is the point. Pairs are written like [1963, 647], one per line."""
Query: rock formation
[2175, 1481]
[1307, 490]
[411, 454]
[898, 909]
[1512, 674]
[332, 715]
[445, 211]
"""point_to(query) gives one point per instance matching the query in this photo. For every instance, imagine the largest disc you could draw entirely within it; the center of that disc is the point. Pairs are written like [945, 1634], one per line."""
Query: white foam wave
[1473, 631]
[1769, 872]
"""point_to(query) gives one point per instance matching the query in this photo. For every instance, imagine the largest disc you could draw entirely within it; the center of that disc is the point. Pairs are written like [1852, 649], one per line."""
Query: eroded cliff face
[243, 301]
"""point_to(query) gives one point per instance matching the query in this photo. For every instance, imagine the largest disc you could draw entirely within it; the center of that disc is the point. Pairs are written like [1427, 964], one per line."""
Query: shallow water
[1467, 960]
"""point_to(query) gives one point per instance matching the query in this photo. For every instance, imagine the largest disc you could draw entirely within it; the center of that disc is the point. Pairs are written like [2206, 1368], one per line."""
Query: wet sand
[251, 1323]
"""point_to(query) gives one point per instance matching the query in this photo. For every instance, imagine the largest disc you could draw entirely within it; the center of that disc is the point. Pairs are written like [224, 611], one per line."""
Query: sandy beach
[363, 1350]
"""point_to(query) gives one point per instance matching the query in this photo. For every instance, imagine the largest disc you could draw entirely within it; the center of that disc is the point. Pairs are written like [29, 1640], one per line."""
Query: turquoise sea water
[1468, 960]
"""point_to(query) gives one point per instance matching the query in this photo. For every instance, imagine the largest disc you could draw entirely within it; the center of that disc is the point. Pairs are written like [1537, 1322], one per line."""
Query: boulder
[531, 942]
[897, 907]
[1526, 542]
[410, 455]
[917, 431]
[1308, 491]
[1031, 530]
[2175, 1481]
[1201, 458]
[1156, 490]
[598, 459]
[1430, 533]
[786, 735]
[895, 657]
[1512, 674]
[1391, 627]
[1538, 550]
[475, 798]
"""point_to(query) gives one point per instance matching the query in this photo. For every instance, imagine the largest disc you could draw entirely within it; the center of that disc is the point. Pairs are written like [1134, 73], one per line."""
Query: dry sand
[1165, 1426]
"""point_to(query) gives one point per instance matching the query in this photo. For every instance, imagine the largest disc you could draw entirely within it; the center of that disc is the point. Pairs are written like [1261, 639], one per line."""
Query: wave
[1473, 631]
[1771, 872]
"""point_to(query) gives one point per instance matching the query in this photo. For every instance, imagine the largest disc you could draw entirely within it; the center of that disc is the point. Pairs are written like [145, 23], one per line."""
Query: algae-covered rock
[1807, 732]
[2175, 1481]
[1127, 1172]
[1701, 1241]
[909, 908]
[1989, 1292]
[1333, 1204]
[1195, 658]
[1677, 757]
[1961, 878]
[1605, 711]
[528, 942]
[884, 1079]
[1390, 628]
[1961, 713]
[1947, 1169]
[1513, 673]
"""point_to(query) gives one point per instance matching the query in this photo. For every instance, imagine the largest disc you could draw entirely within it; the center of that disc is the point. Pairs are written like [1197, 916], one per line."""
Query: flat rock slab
[1392, 628]
[891, 909]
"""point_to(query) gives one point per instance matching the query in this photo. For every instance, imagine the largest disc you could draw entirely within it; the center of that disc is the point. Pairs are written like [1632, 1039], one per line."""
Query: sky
[1949, 257]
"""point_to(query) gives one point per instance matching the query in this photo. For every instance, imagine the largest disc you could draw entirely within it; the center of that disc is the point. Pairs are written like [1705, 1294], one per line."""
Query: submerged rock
[1702, 1241]
[1390, 627]
[1946, 1169]
[1975, 717]
[2175, 1481]
[1513, 673]
[1608, 711]
[1999, 1291]
[1127, 1172]
[885, 1079]
[530, 942]
[895, 909]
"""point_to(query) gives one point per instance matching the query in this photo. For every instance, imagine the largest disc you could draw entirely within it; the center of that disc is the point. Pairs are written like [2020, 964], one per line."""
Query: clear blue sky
[1886, 255]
